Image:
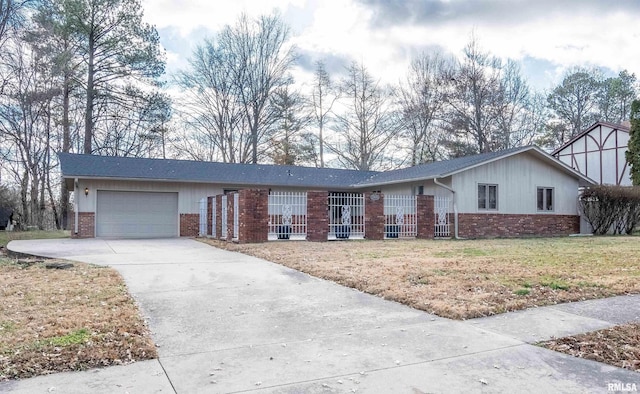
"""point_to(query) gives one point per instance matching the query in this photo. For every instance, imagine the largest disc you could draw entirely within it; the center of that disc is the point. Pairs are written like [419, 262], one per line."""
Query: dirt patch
[54, 320]
[619, 346]
[467, 279]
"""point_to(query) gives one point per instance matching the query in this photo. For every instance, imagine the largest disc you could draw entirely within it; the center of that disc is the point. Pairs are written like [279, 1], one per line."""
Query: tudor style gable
[599, 153]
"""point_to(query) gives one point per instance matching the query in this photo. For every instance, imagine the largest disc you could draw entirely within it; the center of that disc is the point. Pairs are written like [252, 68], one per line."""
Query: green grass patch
[7, 326]
[555, 284]
[8, 236]
[75, 338]
[522, 292]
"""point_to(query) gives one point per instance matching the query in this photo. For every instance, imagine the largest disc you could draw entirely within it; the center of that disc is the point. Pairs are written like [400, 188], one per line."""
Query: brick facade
[472, 225]
[425, 217]
[317, 216]
[189, 224]
[253, 216]
[374, 216]
[86, 225]
[218, 223]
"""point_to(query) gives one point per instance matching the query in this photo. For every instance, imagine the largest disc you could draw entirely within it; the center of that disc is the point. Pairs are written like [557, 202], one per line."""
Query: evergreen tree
[633, 153]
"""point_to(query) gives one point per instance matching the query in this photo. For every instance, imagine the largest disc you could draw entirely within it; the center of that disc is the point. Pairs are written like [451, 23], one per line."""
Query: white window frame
[544, 198]
[486, 197]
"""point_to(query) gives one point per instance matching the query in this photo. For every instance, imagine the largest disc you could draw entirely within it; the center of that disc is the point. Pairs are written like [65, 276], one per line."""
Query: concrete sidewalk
[226, 322]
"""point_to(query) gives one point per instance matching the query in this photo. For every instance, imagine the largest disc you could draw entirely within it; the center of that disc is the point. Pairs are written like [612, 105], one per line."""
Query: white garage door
[136, 214]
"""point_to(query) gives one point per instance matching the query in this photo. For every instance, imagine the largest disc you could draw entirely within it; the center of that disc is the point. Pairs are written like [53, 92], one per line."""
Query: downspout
[75, 206]
[455, 206]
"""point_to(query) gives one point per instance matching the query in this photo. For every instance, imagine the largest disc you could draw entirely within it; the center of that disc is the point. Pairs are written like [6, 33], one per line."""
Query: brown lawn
[58, 320]
[467, 279]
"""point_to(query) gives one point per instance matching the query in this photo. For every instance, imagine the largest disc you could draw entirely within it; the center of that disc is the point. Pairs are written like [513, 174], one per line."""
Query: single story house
[598, 152]
[515, 192]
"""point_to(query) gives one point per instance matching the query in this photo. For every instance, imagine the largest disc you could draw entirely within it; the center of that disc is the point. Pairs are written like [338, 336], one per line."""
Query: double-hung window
[487, 196]
[545, 198]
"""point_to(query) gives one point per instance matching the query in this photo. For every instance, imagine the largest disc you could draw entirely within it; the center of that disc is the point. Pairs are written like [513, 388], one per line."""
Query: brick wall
[472, 225]
[317, 216]
[374, 216]
[86, 225]
[253, 216]
[425, 217]
[219, 216]
[189, 223]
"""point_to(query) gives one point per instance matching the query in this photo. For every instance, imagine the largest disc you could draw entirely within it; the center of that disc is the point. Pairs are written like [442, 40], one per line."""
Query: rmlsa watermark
[622, 387]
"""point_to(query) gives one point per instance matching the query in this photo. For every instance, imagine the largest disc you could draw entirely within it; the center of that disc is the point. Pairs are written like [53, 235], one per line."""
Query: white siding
[189, 194]
[600, 155]
[517, 178]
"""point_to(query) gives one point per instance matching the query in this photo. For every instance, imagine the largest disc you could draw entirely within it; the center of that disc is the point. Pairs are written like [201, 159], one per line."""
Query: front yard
[468, 279]
[54, 320]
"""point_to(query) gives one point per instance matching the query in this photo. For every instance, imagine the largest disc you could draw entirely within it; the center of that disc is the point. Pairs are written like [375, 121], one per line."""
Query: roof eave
[212, 182]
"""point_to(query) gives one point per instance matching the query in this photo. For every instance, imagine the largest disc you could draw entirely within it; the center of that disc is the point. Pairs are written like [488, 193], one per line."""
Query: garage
[136, 214]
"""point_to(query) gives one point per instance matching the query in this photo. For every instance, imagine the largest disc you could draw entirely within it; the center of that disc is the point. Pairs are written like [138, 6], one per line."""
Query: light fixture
[86, 191]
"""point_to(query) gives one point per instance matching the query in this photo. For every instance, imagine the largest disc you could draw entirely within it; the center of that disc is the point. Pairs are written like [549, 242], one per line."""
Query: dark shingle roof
[437, 169]
[91, 166]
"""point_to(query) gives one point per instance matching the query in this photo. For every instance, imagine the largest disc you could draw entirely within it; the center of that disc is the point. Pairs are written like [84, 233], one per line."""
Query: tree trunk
[66, 148]
[88, 119]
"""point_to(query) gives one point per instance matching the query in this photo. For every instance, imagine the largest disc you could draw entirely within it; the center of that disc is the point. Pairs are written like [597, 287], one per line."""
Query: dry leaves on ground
[59, 320]
[619, 346]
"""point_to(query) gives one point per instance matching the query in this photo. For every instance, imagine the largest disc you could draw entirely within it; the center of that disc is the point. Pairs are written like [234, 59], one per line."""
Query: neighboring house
[599, 153]
[521, 191]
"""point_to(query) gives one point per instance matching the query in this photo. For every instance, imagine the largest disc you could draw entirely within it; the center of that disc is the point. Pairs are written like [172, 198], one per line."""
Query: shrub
[611, 208]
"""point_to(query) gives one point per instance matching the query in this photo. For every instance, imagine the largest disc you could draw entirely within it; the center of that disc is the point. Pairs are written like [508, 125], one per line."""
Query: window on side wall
[545, 199]
[487, 197]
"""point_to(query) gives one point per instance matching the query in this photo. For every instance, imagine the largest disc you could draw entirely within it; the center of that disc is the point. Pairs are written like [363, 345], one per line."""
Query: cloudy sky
[546, 36]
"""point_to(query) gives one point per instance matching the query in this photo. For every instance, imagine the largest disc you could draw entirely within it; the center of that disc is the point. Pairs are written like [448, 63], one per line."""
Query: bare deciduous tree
[209, 108]
[421, 100]
[473, 100]
[367, 125]
[323, 96]
[261, 60]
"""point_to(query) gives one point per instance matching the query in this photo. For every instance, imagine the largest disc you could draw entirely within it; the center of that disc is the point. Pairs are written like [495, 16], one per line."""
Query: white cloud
[559, 39]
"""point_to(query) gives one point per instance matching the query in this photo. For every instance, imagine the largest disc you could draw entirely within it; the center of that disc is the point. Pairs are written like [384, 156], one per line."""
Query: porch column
[374, 216]
[317, 216]
[425, 217]
[253, 216]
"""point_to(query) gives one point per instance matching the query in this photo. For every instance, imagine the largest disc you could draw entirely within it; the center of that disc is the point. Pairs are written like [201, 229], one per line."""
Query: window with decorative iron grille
[346, 215]
[287, 215]
[400, 219]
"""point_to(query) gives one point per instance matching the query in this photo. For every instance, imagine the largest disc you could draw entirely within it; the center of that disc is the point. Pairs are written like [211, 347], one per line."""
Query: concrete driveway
[225, 322]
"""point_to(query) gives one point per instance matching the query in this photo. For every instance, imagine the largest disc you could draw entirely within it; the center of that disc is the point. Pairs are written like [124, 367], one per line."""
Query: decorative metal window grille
[202, 228]
[287, 215]
[400, 219]
[442, 208]
[224, 217]
[214, 215]
[236, 216]
[346, 216]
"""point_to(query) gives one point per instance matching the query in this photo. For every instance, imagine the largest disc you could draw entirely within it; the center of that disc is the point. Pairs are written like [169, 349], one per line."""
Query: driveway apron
[226, 322]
